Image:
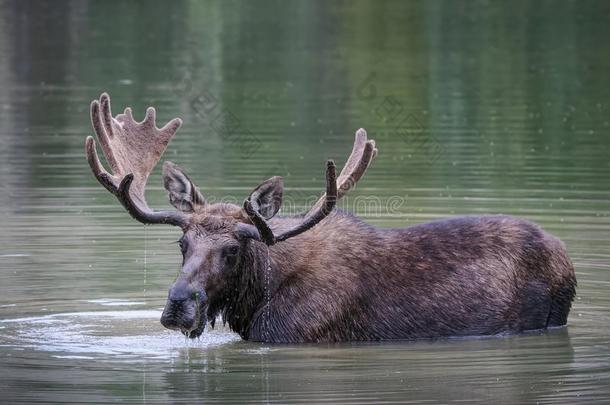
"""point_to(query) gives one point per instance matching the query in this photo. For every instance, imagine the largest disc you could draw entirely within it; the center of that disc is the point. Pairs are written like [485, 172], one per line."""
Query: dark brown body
[326, 276]
[346, 280]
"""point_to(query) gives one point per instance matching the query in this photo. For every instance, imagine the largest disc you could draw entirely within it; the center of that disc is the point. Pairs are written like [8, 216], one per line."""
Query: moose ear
[267, 197]
[183, 193]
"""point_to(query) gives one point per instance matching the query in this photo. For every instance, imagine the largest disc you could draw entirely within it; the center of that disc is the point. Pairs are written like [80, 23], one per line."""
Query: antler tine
[329, 202]
[98, 170]
[132, 149]
[363, 153]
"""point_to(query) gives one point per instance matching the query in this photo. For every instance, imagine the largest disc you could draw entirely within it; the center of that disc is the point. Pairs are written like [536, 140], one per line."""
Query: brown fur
[345, 280]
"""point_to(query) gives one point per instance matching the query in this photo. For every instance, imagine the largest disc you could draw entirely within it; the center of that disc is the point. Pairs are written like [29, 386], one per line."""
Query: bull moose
[327, 276]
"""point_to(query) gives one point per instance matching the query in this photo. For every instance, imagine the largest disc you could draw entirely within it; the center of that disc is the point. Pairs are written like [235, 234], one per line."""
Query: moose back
[327, 276]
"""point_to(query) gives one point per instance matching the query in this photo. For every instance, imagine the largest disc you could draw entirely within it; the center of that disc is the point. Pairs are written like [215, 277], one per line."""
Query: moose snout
[176, 315]
[183, 307]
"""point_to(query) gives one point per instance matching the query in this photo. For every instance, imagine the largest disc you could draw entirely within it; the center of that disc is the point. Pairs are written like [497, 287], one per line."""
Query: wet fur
[345, 280]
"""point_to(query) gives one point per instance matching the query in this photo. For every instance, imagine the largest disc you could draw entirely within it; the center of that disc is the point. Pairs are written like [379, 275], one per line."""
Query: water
[488, 107]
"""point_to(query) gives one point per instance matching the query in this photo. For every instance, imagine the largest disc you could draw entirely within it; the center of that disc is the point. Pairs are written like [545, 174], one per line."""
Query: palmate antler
[363, 153]
[132, 150]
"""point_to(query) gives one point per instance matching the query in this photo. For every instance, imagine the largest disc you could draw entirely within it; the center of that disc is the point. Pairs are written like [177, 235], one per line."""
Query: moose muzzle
[185, 310]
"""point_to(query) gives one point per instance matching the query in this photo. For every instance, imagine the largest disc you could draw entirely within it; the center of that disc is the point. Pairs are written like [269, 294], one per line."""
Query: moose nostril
[168, 321]
[172, 313]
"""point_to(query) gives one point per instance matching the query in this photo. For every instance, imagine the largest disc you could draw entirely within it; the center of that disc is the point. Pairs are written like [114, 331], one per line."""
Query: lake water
[490, 107]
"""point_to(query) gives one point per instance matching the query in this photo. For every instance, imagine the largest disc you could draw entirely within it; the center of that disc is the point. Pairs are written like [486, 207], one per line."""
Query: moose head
[221, 243]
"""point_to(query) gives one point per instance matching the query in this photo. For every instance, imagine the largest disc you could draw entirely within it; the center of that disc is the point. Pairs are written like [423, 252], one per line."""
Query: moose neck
[256, 278]
[263, 271]
[249, 288]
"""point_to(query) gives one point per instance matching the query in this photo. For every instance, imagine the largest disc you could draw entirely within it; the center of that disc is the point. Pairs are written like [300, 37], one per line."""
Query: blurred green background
[477, 107]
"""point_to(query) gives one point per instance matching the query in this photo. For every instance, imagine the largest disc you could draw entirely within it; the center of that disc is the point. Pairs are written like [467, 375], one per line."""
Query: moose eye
[231, 251]
[230, 254]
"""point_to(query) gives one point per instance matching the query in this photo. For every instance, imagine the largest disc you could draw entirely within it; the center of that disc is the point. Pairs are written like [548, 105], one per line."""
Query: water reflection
[500, 369]
[222, 368]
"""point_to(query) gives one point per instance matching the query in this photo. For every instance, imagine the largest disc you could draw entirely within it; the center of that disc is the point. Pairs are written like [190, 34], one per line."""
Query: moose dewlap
[326, 275]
